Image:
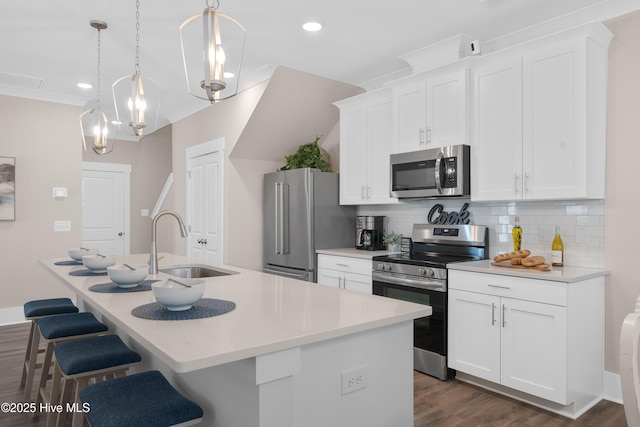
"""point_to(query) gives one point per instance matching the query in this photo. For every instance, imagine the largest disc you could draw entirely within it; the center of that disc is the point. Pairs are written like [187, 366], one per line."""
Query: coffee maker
[370, 232]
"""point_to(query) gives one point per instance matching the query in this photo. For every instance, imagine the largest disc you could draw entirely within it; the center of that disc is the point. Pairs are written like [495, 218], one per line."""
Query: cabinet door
[447, 103]
[358, 282]
[353, 154]
[496, 166]
[534, 348]
[409, 117]
[380, 132]
[474, 334]
[554, 122]
[329, 278]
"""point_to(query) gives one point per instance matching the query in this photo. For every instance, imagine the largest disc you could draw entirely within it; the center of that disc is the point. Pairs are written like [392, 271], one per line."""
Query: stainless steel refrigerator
[302, 213]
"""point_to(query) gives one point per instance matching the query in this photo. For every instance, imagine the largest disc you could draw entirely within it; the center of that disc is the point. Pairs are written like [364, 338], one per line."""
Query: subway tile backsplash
[581, 224]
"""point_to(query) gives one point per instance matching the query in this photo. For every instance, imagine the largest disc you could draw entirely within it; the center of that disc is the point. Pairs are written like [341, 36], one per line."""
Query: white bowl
[124, 277]
[98, 264]
[77, 253]
[177, 297]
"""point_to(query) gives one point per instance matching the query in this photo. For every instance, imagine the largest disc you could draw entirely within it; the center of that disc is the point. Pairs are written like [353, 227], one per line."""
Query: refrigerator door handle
[284, 245]
[278, 217]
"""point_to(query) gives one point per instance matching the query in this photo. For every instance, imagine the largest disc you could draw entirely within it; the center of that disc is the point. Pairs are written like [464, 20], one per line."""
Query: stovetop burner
[436, 246]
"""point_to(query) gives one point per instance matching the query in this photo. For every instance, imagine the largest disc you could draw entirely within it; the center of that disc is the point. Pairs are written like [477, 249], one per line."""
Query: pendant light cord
[137, 36]
[98, 82]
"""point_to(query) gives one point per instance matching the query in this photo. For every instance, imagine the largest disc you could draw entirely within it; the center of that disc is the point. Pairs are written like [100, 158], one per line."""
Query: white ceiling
[48, 46]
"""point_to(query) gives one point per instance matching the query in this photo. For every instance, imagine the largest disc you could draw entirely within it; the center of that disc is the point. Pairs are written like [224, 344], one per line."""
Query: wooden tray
[507, 264]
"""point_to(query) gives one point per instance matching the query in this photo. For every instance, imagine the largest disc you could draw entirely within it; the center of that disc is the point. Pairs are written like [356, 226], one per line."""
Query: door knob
[121, 234]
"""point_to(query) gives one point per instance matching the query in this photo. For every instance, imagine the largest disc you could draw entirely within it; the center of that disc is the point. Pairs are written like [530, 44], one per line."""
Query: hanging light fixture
[137, 97]
[96, 125]
[212, 70]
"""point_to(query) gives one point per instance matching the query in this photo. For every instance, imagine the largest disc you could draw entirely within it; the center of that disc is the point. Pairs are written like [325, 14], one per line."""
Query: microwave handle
[437, 170]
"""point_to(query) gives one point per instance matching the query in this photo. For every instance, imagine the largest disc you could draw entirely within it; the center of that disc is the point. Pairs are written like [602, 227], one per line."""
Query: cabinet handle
[526, 182]
[421, 136]
[428, 135]
[500, 287]
[515, 181]
[342, 265]
[504, 320]
[493, 314]
[368, 192]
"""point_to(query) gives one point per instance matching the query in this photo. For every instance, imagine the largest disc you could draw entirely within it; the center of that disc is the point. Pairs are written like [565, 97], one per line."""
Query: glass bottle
[557, 250]
[517, 235]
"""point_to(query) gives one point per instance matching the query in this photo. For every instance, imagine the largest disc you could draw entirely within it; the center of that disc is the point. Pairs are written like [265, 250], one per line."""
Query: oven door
[430, 332]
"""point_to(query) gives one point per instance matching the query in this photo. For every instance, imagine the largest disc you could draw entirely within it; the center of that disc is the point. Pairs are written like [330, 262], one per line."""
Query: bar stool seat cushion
[46, 307]
[92, 354]
[69, 325]
[142, 400]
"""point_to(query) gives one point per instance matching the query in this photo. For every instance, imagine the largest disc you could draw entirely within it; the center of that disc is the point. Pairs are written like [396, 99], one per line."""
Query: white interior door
[105, 207]
[204, 201]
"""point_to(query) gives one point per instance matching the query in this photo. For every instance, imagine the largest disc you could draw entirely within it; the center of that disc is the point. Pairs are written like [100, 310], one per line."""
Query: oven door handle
[408, 281]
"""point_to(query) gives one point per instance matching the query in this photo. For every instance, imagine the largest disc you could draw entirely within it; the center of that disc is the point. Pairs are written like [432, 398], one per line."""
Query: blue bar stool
[64, 327]
[144, 399]
[78, 361]
[34, 311]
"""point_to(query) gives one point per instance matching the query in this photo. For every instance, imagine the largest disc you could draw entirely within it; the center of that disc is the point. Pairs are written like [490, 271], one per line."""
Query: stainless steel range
[420, 276]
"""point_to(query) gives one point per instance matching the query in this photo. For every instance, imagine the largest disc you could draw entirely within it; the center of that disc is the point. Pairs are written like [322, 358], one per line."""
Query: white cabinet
[431, 110]
[527, 334]
[345, 272]
[539, 120]
[365, 146]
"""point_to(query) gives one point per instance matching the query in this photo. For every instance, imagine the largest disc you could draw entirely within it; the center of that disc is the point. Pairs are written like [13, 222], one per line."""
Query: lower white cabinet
[540, 337]
[345, 272]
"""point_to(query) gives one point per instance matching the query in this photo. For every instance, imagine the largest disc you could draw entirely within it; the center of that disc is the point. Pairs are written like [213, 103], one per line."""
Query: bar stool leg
[46, 364]
[33, 356]
[27, 354]
[54, 398]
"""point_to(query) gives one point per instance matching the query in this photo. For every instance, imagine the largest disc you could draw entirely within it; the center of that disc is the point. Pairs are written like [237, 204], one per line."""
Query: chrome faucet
[153, 257]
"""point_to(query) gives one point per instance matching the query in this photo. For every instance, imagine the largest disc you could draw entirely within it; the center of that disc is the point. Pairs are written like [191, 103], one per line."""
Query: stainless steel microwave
[432, 173]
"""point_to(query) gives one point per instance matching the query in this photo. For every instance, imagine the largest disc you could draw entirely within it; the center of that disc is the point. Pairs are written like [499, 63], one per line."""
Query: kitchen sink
[196, 271]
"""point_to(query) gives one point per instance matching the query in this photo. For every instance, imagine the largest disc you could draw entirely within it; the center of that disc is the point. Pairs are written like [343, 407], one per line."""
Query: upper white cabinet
[431, 110]
[365, 146]
[539, 114]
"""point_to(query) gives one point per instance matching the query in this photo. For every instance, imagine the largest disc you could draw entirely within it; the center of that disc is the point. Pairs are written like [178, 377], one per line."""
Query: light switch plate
[61, 226]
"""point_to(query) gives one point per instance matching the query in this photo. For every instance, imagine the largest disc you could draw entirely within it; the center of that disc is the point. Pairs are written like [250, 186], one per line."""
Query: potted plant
[392, 240]
[308, 156]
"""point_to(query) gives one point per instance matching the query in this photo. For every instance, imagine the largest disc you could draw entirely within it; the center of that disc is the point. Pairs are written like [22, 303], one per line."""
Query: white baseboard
[11, 315]
[612, 389]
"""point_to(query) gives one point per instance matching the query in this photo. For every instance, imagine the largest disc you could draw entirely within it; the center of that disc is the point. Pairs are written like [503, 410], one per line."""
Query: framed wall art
[7, 188]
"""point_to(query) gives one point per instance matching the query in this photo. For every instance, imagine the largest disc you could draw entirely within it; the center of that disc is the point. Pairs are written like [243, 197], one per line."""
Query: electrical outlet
[61, 225]
[354, 379]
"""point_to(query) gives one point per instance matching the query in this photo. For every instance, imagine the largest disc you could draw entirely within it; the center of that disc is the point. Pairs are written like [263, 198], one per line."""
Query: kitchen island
[291, 353]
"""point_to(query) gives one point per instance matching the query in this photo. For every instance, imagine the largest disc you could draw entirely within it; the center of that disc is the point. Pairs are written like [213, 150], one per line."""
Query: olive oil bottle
[517, 235]
[557, 250]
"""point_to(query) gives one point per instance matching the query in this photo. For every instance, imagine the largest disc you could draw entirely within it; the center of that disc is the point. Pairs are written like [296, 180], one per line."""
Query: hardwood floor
[436, 403]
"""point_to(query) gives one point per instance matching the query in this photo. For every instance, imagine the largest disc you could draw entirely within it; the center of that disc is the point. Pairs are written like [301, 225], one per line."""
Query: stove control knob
[425, 272]
[387, 267]
[380, 266]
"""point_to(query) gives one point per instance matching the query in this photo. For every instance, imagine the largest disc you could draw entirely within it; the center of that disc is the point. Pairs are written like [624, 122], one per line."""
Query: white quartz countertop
[352, 252]
[272, 313]
[559, 274]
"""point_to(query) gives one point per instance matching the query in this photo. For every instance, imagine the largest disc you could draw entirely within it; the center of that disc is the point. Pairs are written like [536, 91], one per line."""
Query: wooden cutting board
[507, 264]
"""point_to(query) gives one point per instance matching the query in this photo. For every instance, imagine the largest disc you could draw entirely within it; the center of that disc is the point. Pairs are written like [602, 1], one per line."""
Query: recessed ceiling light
[312, 26]
[85, 85]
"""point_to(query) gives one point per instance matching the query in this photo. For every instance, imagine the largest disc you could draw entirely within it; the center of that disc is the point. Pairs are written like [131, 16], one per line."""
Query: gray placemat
[86, 273]
[113, 288]
[69, 262]
[205, 307]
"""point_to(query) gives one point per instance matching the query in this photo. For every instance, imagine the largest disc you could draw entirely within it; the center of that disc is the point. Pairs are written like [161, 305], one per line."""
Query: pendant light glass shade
[136, 96]
[137, 100]
[98, 127]
[212, 49]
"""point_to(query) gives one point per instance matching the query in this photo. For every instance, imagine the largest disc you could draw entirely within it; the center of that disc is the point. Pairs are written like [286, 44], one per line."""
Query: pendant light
[97, 125]
[212, 49]
[136, 96]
